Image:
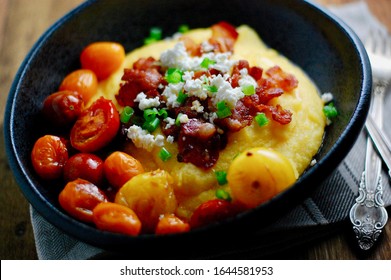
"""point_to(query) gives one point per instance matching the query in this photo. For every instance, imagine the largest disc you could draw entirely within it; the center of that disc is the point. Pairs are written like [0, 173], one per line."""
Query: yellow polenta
[299, 140]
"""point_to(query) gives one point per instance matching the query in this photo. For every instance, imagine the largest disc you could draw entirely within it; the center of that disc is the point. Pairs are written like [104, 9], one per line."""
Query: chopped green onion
[155, 34]
[181, 97]
[163, 113]
[222, 194]
[261, 119]
[221, 177]
[150, 114]
[174, 75]
[183, 28]
[212, 89]
[330, 111]
[164, 155]
[126, 114]
[207, 62]
[178, 119]
[223, 110]
[248, 89]
[151, 125]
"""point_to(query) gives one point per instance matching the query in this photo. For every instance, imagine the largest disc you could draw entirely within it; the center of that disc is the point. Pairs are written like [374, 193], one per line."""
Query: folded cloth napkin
[318, 215]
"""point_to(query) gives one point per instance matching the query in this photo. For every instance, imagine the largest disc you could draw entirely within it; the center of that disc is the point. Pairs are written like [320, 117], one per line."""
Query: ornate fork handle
[368, 214]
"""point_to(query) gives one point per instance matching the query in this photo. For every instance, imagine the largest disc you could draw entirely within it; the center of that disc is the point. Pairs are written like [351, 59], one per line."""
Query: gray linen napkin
[318, 215]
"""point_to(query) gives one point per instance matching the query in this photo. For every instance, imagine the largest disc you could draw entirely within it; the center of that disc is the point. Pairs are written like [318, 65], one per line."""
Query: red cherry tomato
[63, 107]
[83, 81]
[212, 211]
[79, 198]
[120, 167]
[95, 127]
[169, 224]
[114, 217]
[84, 166]
[103, 58]
[49, 156]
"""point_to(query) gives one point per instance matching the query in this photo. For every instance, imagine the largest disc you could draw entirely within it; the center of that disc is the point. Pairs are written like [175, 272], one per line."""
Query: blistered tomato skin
[85, 166]
[79, 198]
[170, 224]
[103, 58]
[120, 167]
[63, 107]
[49, 156]
[258, 174]
[212, 211]
[83, 81]
[96, 127]
[116, 218]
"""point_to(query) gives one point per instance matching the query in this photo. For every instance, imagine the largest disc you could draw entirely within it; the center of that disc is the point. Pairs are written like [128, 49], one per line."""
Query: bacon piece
[146, 64]
[137, 81]
[281, 79]
[256, 72]
[199, 144]
[242, 116]
[224, 36]
[192, 47]
[279, 114]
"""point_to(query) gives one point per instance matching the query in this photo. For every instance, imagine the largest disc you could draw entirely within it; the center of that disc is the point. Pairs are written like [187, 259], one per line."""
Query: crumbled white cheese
[170, 122]
[143, 139]
[313, 162]
[183, 118]
[170, 139]
[177, 57]
[210, 116]
[196, 106]
[225, 92]
[327, 97]
[206, 47]
[145, 103]
[223, 63]
[196, 88]
[246, 79]
[171, 93]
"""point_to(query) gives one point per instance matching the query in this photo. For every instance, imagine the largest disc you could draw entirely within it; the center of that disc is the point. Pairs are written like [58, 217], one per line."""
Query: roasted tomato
[79, 198]
[103, 58]
[120, 167]
[63, 107]
[84, 166]
[117, 218]
[83, 81]
[49, 156]
[96, 126]
[212, 211]
[169, 223]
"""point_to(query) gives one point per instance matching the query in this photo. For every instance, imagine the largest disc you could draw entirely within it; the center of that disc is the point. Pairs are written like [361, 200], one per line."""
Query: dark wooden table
[21, 24]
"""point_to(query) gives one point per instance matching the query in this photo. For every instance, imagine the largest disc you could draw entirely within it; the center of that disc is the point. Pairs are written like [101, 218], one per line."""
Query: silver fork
[368, 214]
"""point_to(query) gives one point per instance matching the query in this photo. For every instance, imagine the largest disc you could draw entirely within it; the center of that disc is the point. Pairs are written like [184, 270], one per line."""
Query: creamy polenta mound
[281, 138]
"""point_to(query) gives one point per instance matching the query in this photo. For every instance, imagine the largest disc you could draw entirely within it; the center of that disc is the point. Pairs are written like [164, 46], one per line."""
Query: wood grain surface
[21, 24]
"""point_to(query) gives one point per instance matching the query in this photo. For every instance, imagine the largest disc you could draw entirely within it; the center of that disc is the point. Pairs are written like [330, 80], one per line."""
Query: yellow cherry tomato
[83, 81]
[103, 58]
[258, 174]
[149, 195]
